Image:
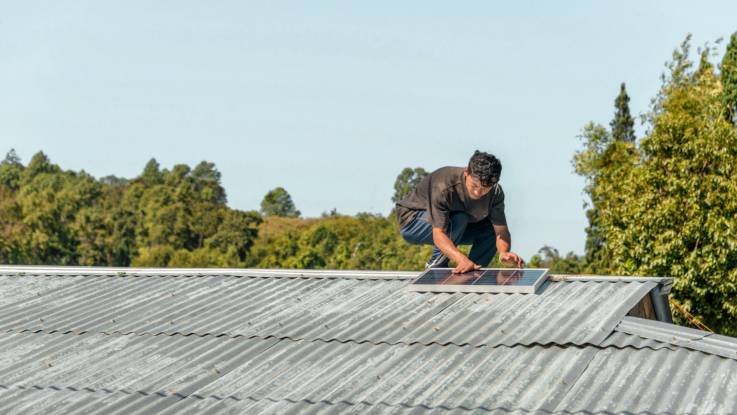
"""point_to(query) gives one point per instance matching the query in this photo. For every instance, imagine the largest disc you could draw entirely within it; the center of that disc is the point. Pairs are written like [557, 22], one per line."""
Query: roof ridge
[38, 270]
[600, 346]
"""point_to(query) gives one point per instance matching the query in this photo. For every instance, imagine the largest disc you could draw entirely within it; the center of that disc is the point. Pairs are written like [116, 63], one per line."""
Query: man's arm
[447, 247]
[504, 246]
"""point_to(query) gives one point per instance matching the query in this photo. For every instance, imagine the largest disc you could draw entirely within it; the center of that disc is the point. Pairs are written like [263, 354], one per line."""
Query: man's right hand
[465, 265]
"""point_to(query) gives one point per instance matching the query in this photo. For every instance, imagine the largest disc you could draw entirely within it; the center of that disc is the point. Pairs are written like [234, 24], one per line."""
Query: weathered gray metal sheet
[48, 401]
[16, 288]
[680, 336]
[91, 370]
[655, 381]
[333, 377]
[657, 330]
[376, 311]
[393, 376]
[175, 364]
[621, 340]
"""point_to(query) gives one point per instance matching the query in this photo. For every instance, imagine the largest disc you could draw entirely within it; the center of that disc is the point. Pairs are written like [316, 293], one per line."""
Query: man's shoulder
[498, 189]
[448, 176]
[497, 195]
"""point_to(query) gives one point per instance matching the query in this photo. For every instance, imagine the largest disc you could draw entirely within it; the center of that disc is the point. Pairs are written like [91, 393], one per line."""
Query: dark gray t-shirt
[443, 192]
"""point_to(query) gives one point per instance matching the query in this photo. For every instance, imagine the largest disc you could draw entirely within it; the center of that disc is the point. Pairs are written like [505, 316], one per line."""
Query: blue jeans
[480, 234]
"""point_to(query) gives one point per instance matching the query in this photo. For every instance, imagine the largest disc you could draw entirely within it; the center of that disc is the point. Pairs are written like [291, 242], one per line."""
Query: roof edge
[664, 282]
[244, 272]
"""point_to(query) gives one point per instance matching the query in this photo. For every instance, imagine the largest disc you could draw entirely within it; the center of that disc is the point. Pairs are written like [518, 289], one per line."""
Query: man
[460, 205]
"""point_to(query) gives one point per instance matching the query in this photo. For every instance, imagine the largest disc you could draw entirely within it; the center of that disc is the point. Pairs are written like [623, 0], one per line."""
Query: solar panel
[485, 280]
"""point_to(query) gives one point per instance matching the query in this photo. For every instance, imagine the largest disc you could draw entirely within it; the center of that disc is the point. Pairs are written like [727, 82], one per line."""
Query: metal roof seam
[546, 345]
[569, 386]
[164, 395]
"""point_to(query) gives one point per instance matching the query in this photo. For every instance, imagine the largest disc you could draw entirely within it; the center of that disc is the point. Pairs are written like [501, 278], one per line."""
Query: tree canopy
[668, 207]
[407, 180]
[729, 80]
[623, 126]
[278, 202]
[174, 217]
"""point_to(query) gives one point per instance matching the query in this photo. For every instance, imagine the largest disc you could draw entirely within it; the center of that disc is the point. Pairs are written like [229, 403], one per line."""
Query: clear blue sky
[332, 99]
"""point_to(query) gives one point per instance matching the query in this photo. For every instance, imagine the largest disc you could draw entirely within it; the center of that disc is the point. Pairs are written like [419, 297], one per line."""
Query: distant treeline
[177, 218]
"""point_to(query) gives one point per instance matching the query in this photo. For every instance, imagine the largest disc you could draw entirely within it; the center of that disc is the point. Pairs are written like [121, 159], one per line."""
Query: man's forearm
[503, 242]
[446, 245]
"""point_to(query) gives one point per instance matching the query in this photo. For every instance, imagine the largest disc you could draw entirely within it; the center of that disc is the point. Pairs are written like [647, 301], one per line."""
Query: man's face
[474, 187]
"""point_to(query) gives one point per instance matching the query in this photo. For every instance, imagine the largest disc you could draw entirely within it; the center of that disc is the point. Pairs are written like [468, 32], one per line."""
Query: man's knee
[417, 232]
[409, 236]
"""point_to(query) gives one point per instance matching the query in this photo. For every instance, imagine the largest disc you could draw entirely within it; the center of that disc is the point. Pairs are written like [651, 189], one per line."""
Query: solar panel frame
[481, 288]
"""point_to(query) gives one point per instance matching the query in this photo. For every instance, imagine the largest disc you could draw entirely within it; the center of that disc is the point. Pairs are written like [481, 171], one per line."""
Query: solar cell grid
[483, 280]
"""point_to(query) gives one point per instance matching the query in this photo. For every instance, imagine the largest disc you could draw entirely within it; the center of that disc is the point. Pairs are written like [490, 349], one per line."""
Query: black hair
[485, 167]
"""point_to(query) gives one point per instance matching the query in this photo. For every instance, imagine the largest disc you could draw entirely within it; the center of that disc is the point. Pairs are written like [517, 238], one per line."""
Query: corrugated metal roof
[14, 288]
[621, 340]
[95, 373]
[655, 381]
[248, 372]
[322, 342]
[376, 311]
[679, 336]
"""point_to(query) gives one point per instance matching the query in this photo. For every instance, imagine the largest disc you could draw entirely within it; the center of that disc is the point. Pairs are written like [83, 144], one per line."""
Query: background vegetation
[664, 204]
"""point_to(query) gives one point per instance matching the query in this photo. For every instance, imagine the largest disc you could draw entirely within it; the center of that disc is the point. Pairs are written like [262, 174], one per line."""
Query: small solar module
[485, 280]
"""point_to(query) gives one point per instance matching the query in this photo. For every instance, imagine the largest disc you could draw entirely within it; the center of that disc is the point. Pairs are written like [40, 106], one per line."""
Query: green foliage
[278, 202]
[11, 171]
[336, 242]
[604, 156]
[548, 257]
[407, 180]
[602, 161]
[161, 218]
[623, 126]
[729, 80]
[669, 207]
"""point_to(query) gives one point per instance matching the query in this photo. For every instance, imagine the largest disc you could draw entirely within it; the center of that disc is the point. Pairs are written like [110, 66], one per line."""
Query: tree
[669, 206]
[237, 232]
[151, 173]
[623, 124]
[604, 157]
[549, 257]
[406, 181]
[207, 182]
[729, 80]
[39, 164]
[11, 170]
[278, 202]
[603, 160]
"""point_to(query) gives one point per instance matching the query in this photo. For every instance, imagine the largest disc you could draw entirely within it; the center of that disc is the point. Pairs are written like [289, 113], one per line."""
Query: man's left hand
[511, 259]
